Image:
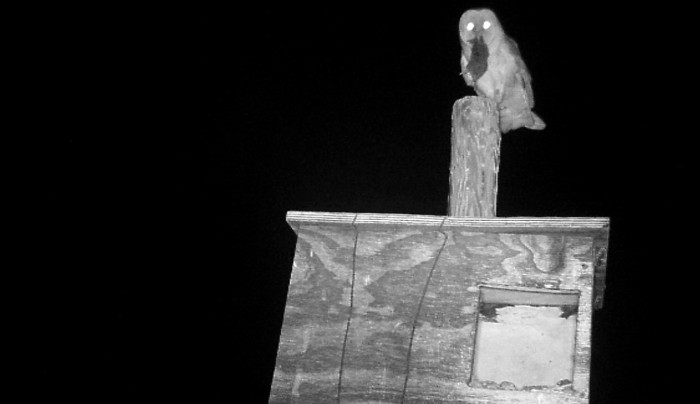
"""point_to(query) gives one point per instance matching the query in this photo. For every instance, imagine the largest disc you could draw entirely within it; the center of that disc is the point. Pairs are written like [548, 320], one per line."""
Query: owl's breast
[501, 67]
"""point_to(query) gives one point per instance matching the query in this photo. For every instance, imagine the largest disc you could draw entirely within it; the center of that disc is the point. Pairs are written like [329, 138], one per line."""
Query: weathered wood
[384, 308]
[316, 317]
[476, 147]
[600, 225]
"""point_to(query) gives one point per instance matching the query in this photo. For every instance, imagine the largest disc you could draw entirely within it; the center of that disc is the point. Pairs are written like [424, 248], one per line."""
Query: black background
[243, 114]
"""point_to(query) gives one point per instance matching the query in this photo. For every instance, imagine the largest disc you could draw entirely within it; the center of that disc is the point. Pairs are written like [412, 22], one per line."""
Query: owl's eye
[470, 26]
[487, 24]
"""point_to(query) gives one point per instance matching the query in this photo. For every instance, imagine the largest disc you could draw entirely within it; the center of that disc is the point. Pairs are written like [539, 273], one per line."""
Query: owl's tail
[509, 120]
[537, 124]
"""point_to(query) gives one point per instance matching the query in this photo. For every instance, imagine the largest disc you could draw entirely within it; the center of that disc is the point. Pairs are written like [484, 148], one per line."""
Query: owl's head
[482, 23]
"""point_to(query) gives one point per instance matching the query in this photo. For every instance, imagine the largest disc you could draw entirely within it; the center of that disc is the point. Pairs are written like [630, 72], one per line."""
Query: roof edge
[295, 218]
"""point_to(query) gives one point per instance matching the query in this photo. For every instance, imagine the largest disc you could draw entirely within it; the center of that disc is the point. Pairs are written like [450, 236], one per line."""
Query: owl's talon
[467, 77]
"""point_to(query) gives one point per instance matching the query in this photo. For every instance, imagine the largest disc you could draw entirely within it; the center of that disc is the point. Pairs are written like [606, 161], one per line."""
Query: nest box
[414, 309]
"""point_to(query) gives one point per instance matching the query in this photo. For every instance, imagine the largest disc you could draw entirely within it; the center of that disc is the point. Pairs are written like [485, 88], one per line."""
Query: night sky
[346, 108]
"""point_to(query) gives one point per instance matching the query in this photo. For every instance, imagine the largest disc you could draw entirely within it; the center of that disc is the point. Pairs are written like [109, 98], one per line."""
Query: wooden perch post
[476, 147]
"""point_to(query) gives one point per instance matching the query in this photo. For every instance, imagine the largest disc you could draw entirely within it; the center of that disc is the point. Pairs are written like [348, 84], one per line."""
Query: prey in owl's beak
[478, 61]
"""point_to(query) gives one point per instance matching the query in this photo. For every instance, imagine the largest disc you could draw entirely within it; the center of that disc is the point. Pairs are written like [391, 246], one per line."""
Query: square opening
[525, 339]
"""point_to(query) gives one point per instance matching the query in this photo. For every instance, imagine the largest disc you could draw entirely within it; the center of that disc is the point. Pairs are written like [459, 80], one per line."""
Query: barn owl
[491, 63]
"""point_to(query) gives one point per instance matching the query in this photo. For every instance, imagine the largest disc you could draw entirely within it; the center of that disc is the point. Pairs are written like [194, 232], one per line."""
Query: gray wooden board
[383, 308]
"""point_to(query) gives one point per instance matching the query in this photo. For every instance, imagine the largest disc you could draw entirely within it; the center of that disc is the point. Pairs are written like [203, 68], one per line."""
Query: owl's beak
[478, 38]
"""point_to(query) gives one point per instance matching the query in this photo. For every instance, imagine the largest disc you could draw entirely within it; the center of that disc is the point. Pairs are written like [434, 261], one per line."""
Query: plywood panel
[386, 312]
[316, 316]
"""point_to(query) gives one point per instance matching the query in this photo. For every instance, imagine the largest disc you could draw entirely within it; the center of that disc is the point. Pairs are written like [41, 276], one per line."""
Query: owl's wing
[516, 107]
[463, 62]
[522, 74]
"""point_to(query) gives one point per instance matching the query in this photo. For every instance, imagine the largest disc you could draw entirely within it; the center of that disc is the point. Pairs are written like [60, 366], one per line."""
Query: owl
[491, 63]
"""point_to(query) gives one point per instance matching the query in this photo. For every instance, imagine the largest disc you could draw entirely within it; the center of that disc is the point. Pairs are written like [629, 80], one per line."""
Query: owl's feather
[491, 63]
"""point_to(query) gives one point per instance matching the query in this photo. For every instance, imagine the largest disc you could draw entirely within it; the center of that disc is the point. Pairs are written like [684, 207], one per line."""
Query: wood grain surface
[476, 150]
[382, 308]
